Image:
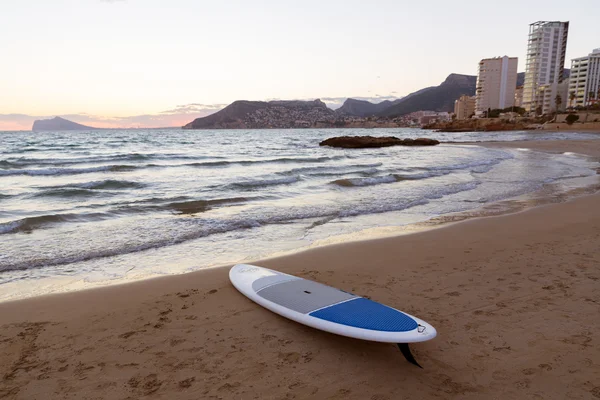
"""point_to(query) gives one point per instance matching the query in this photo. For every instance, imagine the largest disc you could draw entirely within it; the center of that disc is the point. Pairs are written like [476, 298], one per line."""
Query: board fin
[407, 354]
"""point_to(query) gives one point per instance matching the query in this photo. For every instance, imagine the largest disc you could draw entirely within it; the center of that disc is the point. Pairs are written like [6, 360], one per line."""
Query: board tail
[407, 354]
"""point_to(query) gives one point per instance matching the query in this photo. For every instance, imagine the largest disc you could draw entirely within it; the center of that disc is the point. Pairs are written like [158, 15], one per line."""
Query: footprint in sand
[545, 367]
[186, 383]
[529, 371]
[379, 397]
[523, 384]
[289, 358]
[500, 375]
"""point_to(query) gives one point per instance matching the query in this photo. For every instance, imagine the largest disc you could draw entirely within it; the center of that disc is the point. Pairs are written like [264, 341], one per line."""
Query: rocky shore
[361, 142]
[483, 125]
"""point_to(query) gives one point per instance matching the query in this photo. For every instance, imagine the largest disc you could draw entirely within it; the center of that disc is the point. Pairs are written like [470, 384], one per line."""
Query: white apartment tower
[544, 70]
[496, 83]
[585, 80]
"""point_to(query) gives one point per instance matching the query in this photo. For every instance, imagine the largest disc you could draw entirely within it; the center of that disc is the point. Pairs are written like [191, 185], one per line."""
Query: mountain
[363, 108]
[304, 114]
[433, 98]
[283, 114]
[436, 98]
[58, 124]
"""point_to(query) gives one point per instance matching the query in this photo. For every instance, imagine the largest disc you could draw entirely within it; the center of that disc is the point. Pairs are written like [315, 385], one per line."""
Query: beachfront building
[496, 84]
[519, 96]
[428, 117]
[544, 70]
[464, 107]
[584, 84]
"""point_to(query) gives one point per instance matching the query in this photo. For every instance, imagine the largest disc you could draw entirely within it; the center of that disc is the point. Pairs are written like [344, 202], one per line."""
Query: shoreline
[58, 285]
[510, 296]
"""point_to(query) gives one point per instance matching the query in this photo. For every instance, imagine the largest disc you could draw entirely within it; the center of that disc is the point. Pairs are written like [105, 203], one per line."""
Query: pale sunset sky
[156, 63]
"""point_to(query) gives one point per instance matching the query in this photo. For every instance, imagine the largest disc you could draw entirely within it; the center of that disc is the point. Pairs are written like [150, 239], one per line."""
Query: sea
[89, 208]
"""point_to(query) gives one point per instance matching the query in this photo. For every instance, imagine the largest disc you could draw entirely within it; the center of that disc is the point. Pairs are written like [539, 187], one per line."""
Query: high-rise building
[544, 70]
[496, 83]
[584, 84]
[464, 107]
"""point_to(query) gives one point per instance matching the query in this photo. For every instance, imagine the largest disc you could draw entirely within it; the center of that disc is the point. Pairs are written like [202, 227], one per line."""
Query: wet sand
[515, 300]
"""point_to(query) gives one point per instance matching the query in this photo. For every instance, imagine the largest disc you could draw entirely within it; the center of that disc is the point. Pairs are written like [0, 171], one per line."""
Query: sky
[156, 63]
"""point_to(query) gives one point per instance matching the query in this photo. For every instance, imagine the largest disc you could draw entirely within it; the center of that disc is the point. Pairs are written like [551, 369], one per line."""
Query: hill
[442, 97]
[283, 114]
[363, 108]
[437, 98]
[433, 98]
[58, 124]
[243, 114]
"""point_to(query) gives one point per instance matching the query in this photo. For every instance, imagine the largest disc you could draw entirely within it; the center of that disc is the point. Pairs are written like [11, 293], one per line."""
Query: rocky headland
[243, 114]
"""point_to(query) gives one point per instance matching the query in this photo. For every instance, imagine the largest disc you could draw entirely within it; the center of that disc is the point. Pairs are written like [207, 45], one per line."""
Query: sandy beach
[515, 300]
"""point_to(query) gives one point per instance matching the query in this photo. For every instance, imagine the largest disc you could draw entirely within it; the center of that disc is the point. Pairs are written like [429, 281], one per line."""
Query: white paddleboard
[327, 308]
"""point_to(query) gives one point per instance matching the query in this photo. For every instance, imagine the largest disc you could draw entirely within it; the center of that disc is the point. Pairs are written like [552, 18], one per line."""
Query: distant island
[58, 124]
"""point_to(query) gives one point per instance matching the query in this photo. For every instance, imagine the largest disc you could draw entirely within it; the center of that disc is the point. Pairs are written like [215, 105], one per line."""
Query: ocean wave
[328, 170]
[383, 208]
[23, 162]
[280, 160]
[187, 229]
[473, 164]
[209, 164]
[176, 205]
[258, 183]
[454, 188]
[107, 184]
[379, 180]
[203, 228]
[66, 192]
[68, 171]
[197, 206]
[110, 184]
[29, 224]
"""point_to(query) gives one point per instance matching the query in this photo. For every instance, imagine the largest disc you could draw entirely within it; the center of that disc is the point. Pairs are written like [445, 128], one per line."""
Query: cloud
[194, 108]
[178, 116]
[112, 1]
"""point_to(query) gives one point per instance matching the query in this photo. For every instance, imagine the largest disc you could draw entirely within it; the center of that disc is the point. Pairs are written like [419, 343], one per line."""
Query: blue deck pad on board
[366, 314]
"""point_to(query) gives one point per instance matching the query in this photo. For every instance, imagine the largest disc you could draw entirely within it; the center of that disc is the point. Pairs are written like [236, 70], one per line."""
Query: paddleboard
[329, 309]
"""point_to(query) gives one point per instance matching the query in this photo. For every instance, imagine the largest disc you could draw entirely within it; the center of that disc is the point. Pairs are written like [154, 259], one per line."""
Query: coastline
[510, 296]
